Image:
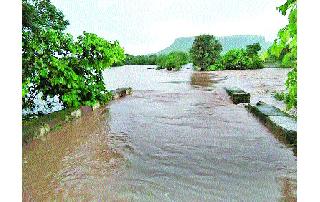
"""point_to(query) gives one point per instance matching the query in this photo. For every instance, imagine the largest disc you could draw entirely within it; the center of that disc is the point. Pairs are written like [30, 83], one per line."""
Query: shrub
[173, 60]
[291, 84]
[205, 51]
[141, 60]
[234, 59]
[242, 59]
[279, 96]
[290, 97]
[217, 66]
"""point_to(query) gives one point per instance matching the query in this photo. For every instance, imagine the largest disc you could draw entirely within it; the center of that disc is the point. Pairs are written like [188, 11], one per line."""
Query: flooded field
[177, 138]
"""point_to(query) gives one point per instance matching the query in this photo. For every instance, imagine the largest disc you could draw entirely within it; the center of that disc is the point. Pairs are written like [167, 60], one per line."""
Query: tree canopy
[285, 49]
[53, 63]
[41, 14]
[205, 51]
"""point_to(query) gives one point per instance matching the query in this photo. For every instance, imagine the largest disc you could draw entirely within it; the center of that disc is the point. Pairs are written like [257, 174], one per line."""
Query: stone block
[278, 122]
[238, 96]
[284, 126]
[263, 110]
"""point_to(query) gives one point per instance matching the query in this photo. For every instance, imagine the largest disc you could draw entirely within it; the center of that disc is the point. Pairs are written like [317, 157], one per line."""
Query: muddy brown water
[177, 138]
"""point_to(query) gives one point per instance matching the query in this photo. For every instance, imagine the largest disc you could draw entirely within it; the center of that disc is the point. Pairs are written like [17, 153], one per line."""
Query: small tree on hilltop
[205, 51]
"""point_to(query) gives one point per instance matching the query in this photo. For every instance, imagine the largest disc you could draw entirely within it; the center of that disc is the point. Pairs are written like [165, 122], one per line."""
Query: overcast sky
[147, 26]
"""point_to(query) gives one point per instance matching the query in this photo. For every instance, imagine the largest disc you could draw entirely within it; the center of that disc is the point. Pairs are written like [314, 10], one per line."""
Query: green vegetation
[55, 64]
[253, 49]
[184, 44]
[241, 58]
[235, 59]
[173, 60]
[284, 49]
[280, 96]
[141, 60]
[205, 51]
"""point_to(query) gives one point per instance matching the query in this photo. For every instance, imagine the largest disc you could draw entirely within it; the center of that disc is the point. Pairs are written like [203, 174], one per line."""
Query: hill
[227, 42]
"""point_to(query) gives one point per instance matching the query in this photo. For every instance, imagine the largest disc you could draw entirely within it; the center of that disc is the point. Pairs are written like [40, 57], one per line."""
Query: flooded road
[177, 138]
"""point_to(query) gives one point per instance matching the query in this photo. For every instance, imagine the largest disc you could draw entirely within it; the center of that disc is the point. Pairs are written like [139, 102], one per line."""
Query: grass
[279, 96]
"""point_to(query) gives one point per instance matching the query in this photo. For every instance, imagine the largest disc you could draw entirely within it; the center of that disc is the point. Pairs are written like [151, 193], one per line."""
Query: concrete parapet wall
[280, 123]
[238, 96]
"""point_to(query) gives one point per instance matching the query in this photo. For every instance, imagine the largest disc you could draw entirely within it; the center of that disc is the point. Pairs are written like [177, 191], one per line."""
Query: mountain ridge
[227, 42]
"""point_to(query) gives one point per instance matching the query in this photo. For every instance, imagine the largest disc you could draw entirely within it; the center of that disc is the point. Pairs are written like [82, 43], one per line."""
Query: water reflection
[201, 79]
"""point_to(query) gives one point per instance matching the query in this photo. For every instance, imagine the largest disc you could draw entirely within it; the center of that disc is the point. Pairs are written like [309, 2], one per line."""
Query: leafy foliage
[55, 64]
[217, 66]
[242, 59]
[291, 83]
[284, 49]
[279, 96]
[253, 49]
[41, 14]
[141, 60]
[173, 60]
[205, 51]
[234, 59]
[239, 59]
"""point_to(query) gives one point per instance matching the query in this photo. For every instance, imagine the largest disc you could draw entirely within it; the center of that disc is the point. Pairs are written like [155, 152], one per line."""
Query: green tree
[205, 51]
[41, 14]
[40, 22]
[239, 59]
[54, 64]
[235, 59]
[92, 55]
[253, 49]
[285, 48]
[173, 60]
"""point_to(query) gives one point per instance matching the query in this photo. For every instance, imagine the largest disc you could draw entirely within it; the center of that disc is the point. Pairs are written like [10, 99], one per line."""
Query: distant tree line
[173, 60]
[205, 55]
[138, 60]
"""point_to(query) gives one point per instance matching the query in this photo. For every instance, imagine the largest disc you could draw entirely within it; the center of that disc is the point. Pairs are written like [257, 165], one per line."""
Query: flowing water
[177, 138]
